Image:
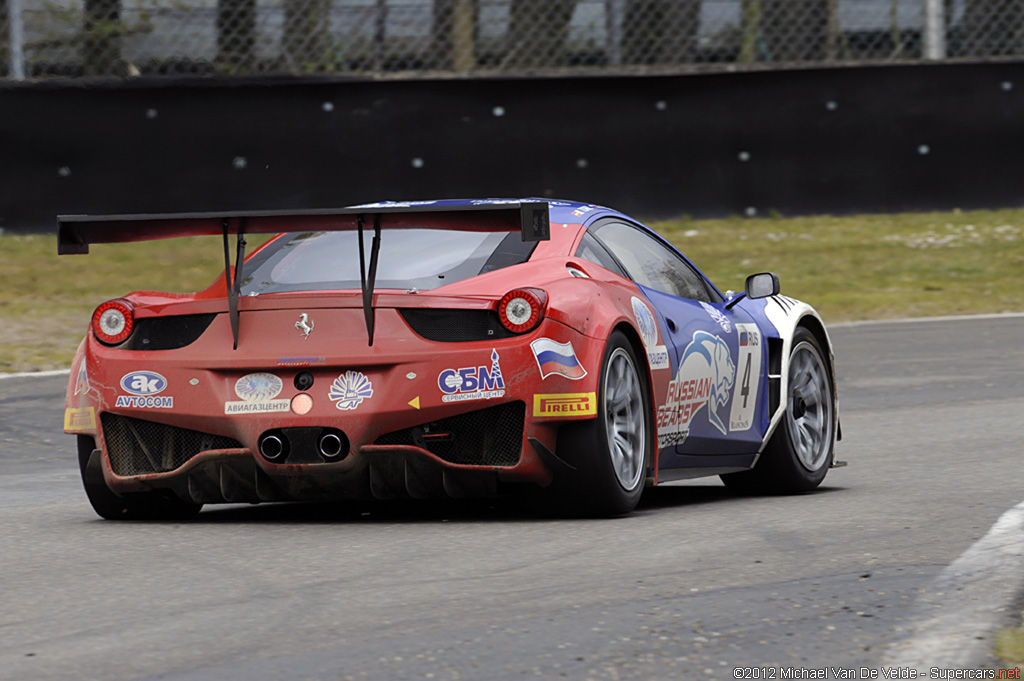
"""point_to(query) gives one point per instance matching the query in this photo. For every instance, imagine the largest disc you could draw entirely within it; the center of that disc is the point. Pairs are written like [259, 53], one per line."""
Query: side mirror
[758, 286]
[763, 285]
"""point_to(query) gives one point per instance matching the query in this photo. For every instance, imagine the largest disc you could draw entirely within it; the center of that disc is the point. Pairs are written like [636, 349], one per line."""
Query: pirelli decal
[78, 420]
[565, 404]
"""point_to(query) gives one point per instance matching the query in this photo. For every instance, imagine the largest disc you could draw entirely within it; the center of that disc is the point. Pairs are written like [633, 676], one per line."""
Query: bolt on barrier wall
[121, 38]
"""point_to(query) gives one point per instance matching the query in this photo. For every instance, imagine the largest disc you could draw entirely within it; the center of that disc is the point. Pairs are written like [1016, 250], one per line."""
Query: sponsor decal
[257, 392]
[565, 404]
[258, 387]
[583, 210]
[557, 358]
[305, 325]
[657, 355]
[705, 377]
[82, 380]
[77, 420]
[472, 383]
[143, 383]
[645, 323]
[493, 202]
[350, 389]
[301, 361]
[414, 402]
[145, 402]
[144, 387]
[744, 397]
[718, 316]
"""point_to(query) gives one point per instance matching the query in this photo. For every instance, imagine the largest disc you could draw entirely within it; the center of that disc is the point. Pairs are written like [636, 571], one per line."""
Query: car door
[715, 401]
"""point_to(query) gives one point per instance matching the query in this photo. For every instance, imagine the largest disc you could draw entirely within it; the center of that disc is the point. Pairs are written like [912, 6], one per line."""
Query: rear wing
[76, 232]
[530, 218]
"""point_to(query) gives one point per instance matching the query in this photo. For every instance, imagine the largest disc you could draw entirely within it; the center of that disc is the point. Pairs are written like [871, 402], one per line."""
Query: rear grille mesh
[138, 447]
[167, 333]
[455, 326]
[487, 437]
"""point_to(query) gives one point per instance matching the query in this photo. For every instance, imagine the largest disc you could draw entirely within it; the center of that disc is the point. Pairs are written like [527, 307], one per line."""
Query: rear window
[423, 259]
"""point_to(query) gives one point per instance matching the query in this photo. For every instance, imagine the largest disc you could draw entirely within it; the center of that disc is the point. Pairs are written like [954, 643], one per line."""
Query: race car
[442, 349]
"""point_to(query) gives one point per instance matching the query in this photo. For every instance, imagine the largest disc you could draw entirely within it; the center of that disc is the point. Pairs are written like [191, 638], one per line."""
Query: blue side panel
[717, 402]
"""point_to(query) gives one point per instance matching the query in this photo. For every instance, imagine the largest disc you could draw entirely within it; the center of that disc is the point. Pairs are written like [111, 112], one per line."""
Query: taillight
[522, 309]
[113, 321]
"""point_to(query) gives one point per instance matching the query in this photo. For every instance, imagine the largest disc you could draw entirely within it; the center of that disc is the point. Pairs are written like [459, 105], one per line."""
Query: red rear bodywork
[427, 410]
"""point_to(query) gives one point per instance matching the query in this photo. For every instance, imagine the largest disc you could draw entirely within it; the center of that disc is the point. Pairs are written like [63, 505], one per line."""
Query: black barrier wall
[812, 141]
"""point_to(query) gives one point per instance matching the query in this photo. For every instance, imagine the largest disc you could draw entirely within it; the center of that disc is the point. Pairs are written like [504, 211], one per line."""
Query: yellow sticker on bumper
[565, 404]
[77, 420]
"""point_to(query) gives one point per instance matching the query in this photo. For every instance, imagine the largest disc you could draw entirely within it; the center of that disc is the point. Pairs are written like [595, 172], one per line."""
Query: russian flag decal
[557, 358]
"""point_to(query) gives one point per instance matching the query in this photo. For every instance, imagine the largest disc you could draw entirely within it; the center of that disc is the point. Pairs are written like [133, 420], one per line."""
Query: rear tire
[611, 452]
[155, 505]
[800, 451]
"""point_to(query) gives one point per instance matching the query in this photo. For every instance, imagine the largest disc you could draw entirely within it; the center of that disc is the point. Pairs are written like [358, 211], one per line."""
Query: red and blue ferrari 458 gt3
[442, 349]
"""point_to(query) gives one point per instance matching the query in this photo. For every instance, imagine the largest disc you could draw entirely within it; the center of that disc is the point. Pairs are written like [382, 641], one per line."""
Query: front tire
[155, 505]
[800, 451]
[611, 452]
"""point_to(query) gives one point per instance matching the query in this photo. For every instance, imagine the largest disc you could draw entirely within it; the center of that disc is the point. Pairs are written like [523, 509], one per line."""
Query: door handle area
[671, 324]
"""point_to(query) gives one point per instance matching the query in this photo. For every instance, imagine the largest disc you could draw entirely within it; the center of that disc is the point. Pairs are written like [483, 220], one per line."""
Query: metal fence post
[934, 29]
[614, 11]
[16, 39]
[463, 36]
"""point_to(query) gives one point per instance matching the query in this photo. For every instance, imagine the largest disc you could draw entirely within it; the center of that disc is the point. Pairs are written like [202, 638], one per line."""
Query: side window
[592, 250]
[651, 263]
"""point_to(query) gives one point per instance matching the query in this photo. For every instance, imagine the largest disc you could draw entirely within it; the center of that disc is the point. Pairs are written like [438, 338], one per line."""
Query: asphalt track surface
[695, 584]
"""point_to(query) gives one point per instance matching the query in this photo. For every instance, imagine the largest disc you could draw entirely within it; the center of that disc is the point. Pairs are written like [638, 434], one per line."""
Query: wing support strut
[234, 283]
[367, 281]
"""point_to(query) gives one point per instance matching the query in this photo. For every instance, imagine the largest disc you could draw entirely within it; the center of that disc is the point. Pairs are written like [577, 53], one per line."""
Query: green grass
[47, 300]
[1010, 646]
[849, 268]
[871, 267]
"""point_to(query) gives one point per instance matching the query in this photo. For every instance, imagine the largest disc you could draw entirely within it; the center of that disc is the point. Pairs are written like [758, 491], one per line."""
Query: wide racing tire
[155, 505]
[610, 453]
[800, 451]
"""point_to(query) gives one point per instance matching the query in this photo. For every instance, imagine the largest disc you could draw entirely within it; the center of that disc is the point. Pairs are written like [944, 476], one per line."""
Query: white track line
[921, 320]
[37, 374]
[975, 595]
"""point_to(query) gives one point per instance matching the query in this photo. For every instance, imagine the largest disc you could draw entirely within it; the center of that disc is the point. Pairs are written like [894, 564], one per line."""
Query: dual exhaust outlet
[305, 444]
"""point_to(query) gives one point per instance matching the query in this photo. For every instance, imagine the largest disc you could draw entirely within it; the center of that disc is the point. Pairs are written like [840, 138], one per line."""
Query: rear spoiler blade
[76, 232]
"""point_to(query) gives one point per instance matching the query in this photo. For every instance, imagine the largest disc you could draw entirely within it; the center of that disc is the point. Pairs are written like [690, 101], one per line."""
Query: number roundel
[744, 400]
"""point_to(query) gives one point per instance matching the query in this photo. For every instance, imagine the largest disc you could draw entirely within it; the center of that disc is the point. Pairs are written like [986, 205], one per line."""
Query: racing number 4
[741, 416]
[745, 389]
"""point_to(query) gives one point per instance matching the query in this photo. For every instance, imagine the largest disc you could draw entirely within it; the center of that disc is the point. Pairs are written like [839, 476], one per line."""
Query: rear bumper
[418, 418]
[461, 456]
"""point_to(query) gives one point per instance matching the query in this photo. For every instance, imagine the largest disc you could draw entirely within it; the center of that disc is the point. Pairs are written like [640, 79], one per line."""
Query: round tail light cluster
[522, 309]
[113, 321]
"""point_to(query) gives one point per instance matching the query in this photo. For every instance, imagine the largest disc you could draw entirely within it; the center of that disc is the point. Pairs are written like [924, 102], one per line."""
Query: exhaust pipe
[330, 446]
[271, 447]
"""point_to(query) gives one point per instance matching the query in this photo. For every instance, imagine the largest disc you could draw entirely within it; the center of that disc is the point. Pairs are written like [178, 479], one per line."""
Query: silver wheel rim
[624, 419]
[810, 407]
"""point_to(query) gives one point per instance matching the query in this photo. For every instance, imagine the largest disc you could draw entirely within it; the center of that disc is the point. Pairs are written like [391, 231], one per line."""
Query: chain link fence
[121, 38]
